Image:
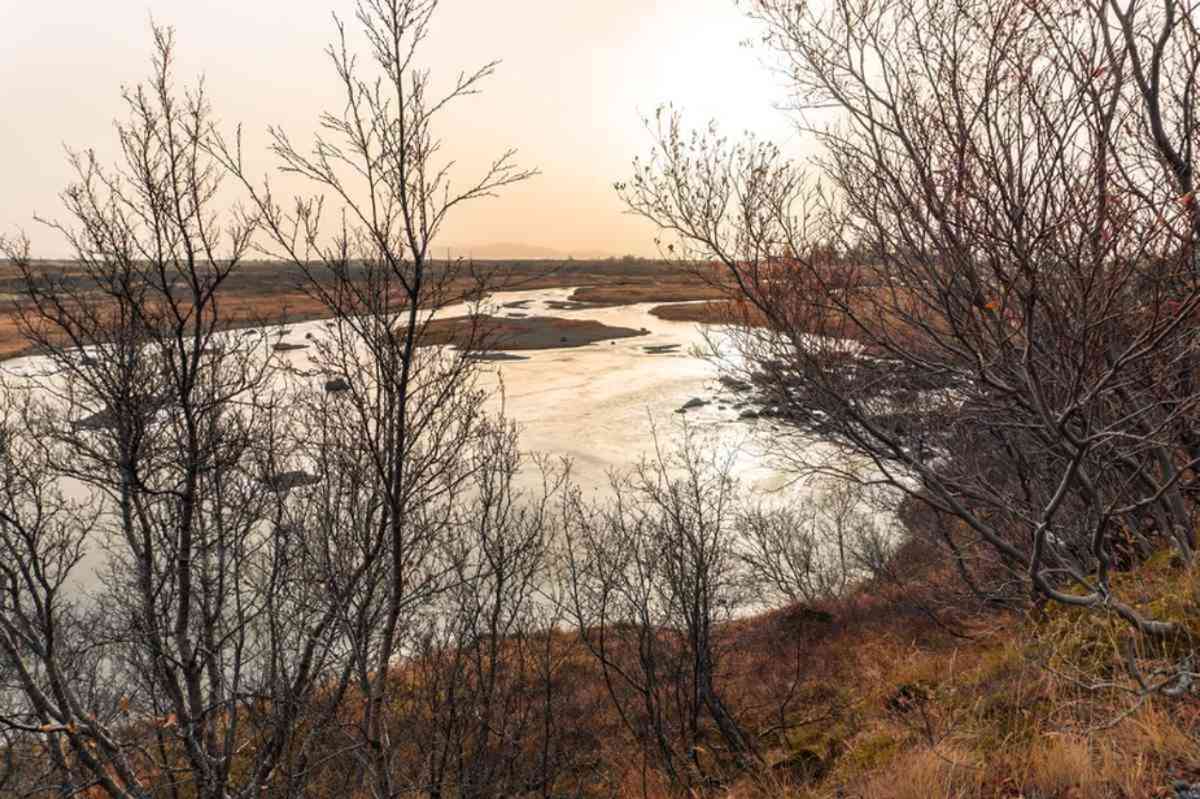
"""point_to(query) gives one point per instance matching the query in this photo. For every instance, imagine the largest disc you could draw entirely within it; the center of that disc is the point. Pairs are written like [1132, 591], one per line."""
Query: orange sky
[576, 78]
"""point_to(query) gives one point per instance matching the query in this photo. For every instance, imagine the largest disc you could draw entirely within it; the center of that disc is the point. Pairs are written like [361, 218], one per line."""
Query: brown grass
[990, 719]
[708, 313]
[631, 293]
[263, 293]
[531, 333]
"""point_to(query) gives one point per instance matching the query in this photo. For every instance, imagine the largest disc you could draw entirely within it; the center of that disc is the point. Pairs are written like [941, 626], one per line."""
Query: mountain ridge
[503, 250]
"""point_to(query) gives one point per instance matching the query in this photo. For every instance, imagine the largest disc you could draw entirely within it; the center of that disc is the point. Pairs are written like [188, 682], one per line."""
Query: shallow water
[600, 405]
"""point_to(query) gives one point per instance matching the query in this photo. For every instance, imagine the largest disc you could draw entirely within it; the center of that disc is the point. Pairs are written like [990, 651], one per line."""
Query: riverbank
[266, 293]
[520, 332]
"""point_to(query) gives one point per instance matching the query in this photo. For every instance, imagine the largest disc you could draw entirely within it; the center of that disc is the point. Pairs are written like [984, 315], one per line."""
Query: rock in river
[694, 402]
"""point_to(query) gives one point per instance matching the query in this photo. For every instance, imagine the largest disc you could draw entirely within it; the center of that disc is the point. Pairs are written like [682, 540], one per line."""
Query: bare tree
[401, 437]
[1005, 232]
[161, 639]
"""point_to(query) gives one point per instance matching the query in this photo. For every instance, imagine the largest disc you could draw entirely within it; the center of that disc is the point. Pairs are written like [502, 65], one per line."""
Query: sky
[576, 80]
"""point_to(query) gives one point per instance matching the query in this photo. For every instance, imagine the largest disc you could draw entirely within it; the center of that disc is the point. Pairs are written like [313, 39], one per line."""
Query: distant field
[717, 312]
[264, 292]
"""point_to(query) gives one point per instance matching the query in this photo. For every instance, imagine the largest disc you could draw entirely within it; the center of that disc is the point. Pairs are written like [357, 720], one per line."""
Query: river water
[601, 405]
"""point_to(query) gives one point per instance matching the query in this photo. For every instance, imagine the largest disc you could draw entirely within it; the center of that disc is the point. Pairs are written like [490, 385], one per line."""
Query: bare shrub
[181, 638]
[819, 549]
[285, 572]
[648, 578]
[404, 450]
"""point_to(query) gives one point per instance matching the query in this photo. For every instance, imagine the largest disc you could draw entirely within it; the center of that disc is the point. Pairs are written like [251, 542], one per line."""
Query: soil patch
[497, 356]
[264, 293]
[534, 333]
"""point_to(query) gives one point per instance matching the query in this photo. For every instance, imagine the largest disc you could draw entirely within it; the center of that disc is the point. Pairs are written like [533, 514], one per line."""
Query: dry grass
[928, 773]
[266, 293]
[627, 293]
[710, 313]
[873, 316]
[532, 333]
[981, 718]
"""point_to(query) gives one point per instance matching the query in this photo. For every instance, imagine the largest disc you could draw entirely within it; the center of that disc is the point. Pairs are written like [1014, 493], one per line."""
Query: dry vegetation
[866, 696]
[344, 591]
[672, 287]
[530, 333]
[263, 293]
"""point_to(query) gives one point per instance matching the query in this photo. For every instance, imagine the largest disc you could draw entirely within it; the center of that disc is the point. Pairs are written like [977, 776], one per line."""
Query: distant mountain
[507, 251]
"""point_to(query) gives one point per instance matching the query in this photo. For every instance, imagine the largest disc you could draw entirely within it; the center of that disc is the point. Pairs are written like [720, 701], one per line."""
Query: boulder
[286, 481]
[101, 420]
[1185, 791]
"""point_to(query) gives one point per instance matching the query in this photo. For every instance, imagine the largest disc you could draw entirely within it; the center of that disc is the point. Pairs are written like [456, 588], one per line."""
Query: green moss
[870, 752]
[821, 743]
[1091, 641]
[1008, 719]
[821, 694]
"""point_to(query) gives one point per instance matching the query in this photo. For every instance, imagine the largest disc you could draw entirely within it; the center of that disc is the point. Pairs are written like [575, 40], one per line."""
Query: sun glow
[576, 80]
[713, 69]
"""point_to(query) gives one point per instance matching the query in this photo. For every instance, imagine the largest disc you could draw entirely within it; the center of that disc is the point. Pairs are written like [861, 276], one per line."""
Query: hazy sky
[577, 77]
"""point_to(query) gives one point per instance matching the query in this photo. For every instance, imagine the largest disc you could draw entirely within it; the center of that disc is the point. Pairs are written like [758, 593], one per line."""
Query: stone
[286, 481]
[101, 420]
[1185, 791]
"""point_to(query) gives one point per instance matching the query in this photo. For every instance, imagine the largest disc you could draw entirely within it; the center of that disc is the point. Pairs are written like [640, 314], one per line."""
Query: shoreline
[267, 295]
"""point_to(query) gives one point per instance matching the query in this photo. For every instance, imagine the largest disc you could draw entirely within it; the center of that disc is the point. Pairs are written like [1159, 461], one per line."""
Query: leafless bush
[481, 719]
[152, 665]
[405, 444]
[817, 549]
[648, 578]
